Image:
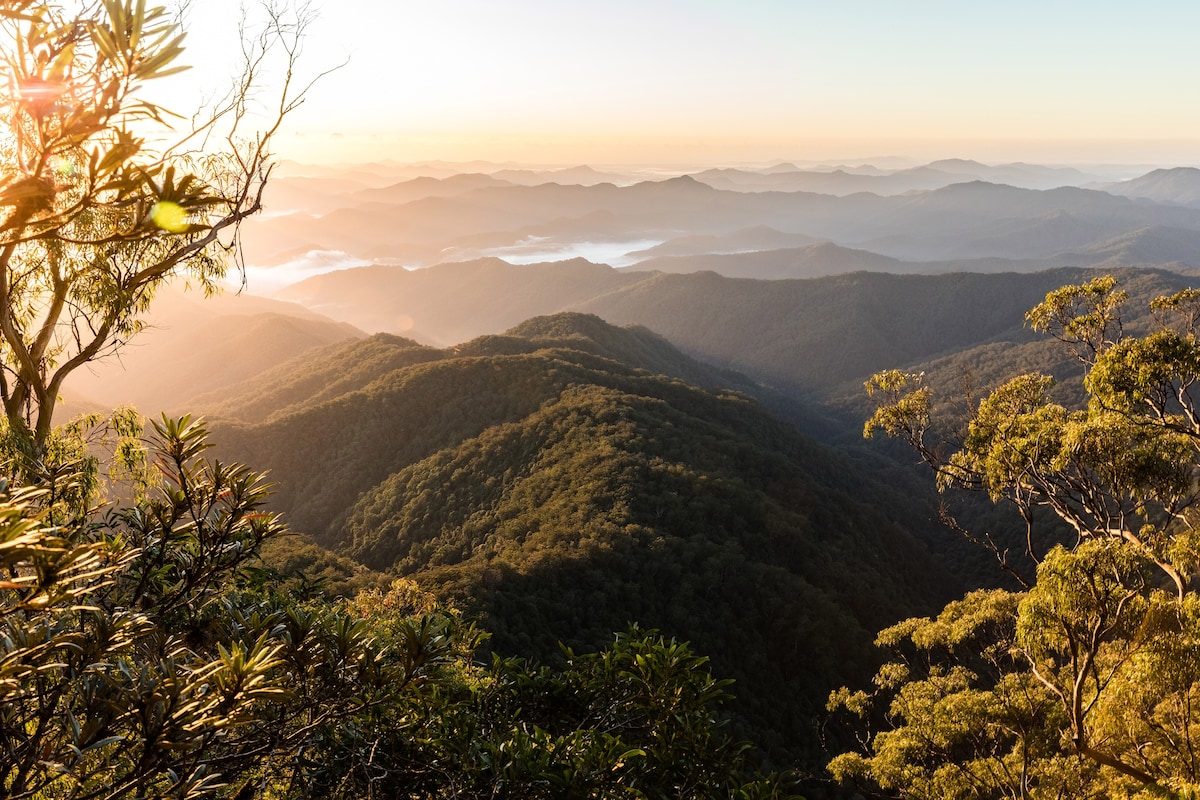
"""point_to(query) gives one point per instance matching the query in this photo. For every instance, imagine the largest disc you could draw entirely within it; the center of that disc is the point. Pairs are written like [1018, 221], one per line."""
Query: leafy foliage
[102, 690]
[964, 718]
[96, 218]
[1088, 685]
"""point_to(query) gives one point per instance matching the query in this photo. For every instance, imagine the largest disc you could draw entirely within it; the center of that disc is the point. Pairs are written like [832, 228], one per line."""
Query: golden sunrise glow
[735, 82]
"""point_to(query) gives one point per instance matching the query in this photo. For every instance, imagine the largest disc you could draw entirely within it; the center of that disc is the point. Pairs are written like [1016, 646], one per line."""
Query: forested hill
[810, 335]
[561, 480]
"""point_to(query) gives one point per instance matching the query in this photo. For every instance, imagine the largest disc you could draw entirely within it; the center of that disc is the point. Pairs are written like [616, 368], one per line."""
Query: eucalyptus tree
[102, 199]
[1085, 683]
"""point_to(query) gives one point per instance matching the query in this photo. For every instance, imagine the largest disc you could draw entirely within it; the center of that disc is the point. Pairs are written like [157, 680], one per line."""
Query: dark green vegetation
[562, 481]
[150, 655]
[1084, 683]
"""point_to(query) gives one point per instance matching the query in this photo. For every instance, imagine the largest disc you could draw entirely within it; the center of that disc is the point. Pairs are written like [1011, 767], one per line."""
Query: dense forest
[547, 482]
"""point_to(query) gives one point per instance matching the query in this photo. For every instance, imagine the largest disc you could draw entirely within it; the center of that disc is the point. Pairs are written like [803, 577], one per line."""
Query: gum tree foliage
[1085, 684]
[145, 656]
[93, 218]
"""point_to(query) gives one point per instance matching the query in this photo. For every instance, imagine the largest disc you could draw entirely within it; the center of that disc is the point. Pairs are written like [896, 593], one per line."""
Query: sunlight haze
[721, 81]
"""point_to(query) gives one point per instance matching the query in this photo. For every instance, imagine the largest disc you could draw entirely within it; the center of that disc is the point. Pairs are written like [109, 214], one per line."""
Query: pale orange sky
[725, 81]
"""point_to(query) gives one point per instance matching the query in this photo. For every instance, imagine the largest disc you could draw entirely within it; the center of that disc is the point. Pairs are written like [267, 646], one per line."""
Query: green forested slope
[681, 511]
[386, 416]
[561, 493]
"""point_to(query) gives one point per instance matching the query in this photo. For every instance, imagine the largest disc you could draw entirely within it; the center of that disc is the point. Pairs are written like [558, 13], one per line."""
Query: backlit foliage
[1083, 685]
[93, 219]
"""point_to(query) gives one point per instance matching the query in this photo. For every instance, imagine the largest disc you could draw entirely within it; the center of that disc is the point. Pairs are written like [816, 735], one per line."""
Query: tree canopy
[95, 216]
[1083, 685]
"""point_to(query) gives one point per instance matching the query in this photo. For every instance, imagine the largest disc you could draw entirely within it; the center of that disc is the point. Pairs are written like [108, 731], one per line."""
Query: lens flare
[169, 216]
[64, 167]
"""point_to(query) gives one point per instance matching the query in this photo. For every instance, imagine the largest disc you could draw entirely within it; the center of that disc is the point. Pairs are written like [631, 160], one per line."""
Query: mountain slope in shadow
[563, 479]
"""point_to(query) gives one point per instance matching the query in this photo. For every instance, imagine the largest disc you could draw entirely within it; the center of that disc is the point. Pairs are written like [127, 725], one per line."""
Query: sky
[737, 81]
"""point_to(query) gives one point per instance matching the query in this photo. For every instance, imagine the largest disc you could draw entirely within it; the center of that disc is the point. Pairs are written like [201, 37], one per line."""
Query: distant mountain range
[1177, 186]
[935, 175]
[757, 238]
[798, 335]
[824, 258]
[960, 211]
[454, 302]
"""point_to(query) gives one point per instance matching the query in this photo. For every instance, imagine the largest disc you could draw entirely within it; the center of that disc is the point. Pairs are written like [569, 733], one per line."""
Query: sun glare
[169, 216]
